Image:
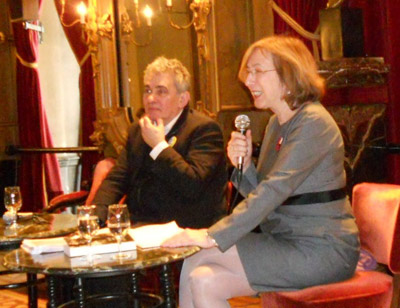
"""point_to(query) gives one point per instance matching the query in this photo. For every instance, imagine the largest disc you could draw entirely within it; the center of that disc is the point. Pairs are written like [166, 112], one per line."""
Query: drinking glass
[13, 202]
[88, 224]
[118, 221]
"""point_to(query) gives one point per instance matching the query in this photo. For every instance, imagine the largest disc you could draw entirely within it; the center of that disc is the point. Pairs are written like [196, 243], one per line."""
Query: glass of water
[118, 221]
[13, 202]
[88, 223]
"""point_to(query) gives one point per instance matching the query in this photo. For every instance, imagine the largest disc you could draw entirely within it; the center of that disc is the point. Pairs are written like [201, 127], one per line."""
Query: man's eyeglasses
[258, 72]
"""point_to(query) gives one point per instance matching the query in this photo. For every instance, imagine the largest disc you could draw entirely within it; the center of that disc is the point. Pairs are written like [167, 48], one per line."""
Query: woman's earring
[286, 95]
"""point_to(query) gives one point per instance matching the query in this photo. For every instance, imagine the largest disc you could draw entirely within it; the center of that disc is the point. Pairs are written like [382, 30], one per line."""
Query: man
[173, 166]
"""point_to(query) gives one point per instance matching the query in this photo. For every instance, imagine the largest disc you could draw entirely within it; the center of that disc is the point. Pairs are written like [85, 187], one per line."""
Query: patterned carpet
[18, 298]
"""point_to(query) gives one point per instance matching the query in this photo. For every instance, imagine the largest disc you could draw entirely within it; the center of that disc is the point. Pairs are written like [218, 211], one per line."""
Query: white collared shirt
[164, 144]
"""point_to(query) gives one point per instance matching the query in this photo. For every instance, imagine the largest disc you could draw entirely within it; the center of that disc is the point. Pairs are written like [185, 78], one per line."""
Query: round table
[59, 264]
[34, 225]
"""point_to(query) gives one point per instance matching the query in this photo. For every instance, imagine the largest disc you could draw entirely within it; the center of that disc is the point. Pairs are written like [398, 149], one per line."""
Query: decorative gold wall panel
[233, 27]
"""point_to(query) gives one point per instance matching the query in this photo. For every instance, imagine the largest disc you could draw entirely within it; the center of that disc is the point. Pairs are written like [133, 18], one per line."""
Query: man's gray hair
[163, 65]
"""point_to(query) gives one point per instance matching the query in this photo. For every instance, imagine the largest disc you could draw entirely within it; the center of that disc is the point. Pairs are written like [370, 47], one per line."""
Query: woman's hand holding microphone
[240, 146]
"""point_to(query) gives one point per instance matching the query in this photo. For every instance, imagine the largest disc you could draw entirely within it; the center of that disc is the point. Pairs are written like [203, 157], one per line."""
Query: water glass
[13, 202]
[88, 223]
[118, 221]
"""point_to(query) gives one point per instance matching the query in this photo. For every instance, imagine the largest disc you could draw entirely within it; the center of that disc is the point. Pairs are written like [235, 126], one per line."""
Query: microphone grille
[242, 122]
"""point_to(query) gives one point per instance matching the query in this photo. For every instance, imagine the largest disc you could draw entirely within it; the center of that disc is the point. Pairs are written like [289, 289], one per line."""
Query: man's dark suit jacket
[185, 183]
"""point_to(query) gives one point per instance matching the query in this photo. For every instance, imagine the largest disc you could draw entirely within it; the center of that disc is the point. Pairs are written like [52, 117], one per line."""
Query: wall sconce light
[201, 9]
[127, 25]
[93, 26]
[148, 13]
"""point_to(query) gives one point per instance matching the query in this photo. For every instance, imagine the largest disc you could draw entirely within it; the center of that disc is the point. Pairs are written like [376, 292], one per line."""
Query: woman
[308, 233]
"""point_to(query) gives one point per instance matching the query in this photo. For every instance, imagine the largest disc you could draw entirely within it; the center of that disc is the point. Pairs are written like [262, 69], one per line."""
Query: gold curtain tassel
[26, 63]
[85, 57]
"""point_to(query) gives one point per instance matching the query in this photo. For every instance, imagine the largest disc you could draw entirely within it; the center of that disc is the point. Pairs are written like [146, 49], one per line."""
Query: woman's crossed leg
[210, 277]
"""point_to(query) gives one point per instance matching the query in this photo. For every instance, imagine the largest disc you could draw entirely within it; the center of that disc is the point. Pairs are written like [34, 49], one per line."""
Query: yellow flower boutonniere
[172, 141]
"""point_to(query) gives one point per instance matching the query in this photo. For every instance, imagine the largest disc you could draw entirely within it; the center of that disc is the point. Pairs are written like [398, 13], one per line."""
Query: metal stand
[134, 297]
[167, 286]
[51, 292]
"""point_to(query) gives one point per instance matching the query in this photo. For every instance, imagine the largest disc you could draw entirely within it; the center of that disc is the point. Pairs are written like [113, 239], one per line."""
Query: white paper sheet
[150, 236]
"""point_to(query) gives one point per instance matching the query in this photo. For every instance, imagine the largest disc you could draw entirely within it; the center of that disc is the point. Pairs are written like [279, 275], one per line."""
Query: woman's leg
[210, 277]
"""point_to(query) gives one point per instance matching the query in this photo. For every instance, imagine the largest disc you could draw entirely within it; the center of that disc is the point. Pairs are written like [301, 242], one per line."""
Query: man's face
[161, 98]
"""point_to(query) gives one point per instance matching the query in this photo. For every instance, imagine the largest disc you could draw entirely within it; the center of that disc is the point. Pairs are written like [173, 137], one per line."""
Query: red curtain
[304, 12]
[73, 31]
[39, 175]
[391, 47]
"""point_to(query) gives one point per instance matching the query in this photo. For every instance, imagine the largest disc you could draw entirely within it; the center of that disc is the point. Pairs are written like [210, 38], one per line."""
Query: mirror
[139, 44]
[123, 63]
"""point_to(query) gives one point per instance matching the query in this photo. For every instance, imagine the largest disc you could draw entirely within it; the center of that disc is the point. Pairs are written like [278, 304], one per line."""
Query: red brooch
[278, 144]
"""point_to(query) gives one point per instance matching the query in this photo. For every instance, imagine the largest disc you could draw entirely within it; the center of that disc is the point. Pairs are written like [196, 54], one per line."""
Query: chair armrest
[66, 200]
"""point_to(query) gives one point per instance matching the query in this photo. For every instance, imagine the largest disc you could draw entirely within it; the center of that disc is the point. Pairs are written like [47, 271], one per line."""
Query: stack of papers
[45, 245]
[151, 236]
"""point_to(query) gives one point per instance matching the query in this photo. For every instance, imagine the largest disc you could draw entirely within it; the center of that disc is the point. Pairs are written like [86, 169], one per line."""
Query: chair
[376, 208]
[101, 170]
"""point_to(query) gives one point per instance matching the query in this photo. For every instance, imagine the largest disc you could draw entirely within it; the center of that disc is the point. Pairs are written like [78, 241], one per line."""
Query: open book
[153, 235]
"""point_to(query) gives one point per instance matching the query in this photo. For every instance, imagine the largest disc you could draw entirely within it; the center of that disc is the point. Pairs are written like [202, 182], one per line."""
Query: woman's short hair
[294, 65]
[163, 65]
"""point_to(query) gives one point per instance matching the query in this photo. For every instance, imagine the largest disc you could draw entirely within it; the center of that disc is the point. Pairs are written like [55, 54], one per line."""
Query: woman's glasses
[258, 72]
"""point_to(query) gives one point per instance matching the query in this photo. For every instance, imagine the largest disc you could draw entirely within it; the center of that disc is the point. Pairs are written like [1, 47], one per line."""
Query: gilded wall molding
[111, 130]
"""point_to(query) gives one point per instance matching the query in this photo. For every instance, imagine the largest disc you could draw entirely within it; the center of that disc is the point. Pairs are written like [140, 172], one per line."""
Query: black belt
[316, 197]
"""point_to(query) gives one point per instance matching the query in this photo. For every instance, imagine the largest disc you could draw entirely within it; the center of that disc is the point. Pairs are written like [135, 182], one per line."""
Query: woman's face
[263, 81]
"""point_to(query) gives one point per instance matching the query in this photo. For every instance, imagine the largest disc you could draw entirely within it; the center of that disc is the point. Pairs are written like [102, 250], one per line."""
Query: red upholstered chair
[103, 167]
[376, 208]
[101, 170]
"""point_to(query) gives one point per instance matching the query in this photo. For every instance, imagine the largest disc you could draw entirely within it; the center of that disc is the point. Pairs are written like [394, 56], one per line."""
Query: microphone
[242, 123]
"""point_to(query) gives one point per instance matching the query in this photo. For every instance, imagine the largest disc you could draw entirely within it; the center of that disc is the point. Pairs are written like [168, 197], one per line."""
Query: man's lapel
[171, 137]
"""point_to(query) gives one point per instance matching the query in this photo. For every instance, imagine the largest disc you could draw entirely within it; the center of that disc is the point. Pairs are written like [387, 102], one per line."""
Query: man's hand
[152, 133]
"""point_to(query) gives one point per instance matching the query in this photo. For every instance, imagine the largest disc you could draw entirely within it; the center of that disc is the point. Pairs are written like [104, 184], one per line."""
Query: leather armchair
[376, 208]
